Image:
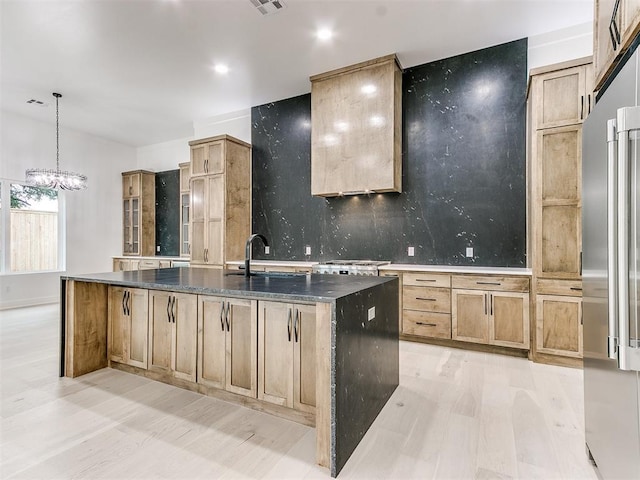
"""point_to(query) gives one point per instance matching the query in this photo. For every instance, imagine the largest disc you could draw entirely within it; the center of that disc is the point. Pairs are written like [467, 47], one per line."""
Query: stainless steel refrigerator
[611, 265]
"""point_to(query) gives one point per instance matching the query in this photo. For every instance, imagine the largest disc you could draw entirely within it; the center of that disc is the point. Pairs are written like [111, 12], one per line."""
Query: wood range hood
[356, 134]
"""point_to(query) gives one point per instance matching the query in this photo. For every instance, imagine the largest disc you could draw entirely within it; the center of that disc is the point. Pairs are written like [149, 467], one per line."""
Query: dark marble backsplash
[464, 181]
[168, 213]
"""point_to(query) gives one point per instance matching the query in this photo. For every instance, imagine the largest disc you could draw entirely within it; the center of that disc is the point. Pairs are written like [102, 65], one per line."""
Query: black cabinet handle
[491, 297]
[488, 283]
[581, 107]
[614, 32]
[577, 289]
[426, 299]
[227, 317]
[169, 306]
[222, 316]
[588, 103]
[295, 325]
[124, 296]
[425, 280]
[426, 324]
[173, 308]
[289, 326]
[128, 302]
[485, 303]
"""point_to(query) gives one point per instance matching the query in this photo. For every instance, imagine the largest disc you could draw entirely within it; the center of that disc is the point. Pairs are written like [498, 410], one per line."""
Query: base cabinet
[173, 334]
[286, 354]
[227, 344]
[559, 325]
[128, 323]
[426, 305]
[493, 317]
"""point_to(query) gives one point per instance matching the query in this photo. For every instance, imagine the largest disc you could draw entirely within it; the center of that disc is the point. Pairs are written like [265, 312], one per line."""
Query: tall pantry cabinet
[220, 200]
[139, 213]
[560, 98]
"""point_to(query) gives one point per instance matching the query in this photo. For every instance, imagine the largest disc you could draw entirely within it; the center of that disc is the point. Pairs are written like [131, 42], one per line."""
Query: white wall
[561, 45]
[159, 157]
[93, 216]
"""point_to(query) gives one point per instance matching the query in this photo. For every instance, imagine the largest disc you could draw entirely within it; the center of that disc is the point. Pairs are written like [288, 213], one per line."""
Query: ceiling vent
[39, 103]
[268, 7]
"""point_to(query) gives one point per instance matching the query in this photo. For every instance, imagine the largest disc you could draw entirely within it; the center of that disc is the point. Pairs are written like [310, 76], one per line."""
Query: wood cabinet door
[160, 332]
[185, 176]
[559, 98]
[470, 316]
[557, 207]
[604, 50]
[127, 241]
[215, 157]
[198, 217]
[304, 357]
[198, 159]
[215, 215]
[185, 323]
[509, 319]
[117, 320]
[275, 352]
[131, 185]
[137, 339]
[184, 224]
[242, 347]
[559, 325]
[212, 334]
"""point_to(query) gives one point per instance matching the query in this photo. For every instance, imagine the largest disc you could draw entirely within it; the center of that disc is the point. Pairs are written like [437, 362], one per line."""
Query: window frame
[5, 231]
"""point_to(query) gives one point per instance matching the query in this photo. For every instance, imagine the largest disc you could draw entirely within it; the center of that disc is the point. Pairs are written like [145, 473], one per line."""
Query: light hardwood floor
[456, 415]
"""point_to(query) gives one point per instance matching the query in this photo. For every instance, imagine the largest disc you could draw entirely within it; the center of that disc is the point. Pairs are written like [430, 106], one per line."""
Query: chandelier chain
[57, 135]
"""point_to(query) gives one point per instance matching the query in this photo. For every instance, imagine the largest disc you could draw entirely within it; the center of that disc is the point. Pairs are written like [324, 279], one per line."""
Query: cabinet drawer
[496, 283]
[426, 324]
[427, 279]
[572, 288]
[148, 264]
[426, 299]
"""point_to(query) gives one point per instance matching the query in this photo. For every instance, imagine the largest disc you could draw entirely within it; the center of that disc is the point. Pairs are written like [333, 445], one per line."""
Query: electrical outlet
[266, 250]
[470, 252]
[411, 251]
[157, 248]
[371, 314]
[307, 250]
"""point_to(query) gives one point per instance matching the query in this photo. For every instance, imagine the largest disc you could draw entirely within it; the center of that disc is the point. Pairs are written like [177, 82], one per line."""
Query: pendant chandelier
[41, 177]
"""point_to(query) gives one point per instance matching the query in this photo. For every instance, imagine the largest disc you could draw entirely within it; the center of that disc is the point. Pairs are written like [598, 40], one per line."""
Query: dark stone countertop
[207, 281]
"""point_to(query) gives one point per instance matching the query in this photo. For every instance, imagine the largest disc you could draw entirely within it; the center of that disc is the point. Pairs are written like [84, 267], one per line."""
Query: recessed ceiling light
[221, 68]
[324, 34]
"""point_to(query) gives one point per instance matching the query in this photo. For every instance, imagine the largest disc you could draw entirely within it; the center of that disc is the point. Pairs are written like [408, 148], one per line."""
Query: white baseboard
[29, 302]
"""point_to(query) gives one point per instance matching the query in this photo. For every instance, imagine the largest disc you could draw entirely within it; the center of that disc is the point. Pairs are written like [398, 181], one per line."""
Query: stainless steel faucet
[247, 252]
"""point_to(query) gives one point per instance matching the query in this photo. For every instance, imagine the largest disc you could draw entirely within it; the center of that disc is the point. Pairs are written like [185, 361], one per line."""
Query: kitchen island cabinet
[173, 331]
[352, 323]
[286, 349]
[227, 344]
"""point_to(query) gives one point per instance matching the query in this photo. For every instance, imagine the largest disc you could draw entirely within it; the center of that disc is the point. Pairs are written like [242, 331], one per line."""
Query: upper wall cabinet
[220, 203]
[138, 213]
[356, 116]
[616, 23]
[562, 97]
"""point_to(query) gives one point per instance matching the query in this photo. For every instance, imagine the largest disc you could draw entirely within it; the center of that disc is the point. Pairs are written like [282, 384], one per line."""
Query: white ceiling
[140, 71]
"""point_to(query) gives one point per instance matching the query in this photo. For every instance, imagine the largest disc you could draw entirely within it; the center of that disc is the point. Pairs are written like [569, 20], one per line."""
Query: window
[31, 228]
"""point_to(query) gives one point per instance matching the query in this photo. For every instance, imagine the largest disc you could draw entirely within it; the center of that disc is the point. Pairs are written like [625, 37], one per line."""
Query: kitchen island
[319, 349]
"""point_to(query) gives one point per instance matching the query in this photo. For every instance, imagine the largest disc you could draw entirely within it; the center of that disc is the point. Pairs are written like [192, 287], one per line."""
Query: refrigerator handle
[612, 247]
[628, 355]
